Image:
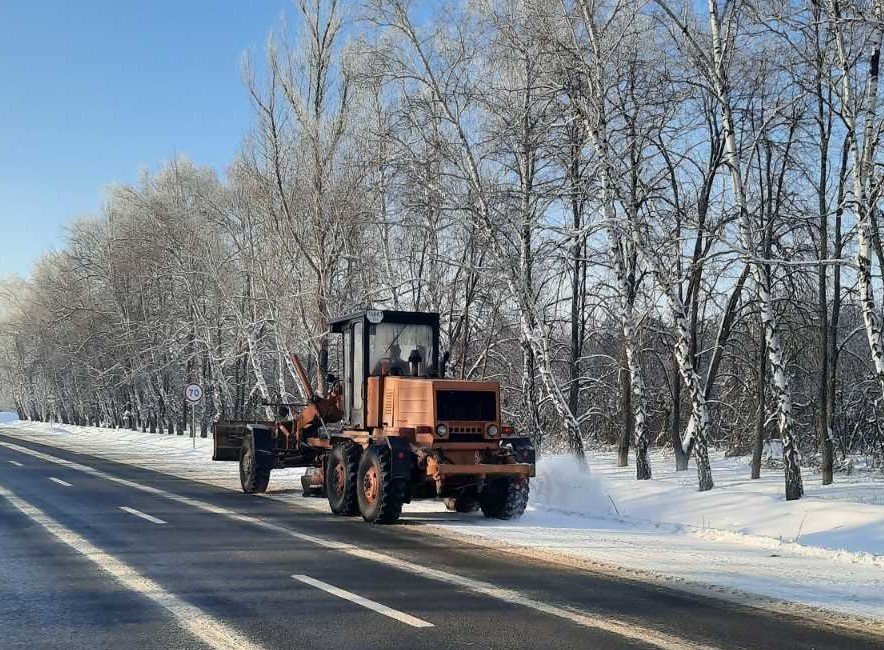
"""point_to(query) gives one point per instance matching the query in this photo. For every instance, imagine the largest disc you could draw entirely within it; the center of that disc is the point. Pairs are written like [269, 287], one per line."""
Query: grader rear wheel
[340, 479]
[254, 472]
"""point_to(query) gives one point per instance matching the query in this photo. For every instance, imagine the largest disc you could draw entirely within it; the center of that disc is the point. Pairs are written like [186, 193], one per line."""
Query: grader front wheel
[504, 498]
[379, 493]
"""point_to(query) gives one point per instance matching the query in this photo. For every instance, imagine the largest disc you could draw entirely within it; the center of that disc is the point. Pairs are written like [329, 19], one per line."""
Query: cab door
[355, 399]
[347, 379]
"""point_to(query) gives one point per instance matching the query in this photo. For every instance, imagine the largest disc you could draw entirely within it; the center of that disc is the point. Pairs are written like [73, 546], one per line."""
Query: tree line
[654, 222]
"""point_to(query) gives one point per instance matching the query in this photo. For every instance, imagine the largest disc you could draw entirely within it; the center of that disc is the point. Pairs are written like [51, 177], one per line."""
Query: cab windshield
[391, 345]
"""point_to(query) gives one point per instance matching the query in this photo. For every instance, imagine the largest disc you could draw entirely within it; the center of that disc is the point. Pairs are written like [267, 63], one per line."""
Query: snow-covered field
[741, 540]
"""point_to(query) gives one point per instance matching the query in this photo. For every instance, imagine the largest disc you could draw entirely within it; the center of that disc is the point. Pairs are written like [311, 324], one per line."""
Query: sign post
[193, 393]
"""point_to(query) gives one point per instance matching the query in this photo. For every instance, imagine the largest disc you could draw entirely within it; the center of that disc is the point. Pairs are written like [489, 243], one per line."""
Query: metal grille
[466, 405]
[457, 429]
[465, 437]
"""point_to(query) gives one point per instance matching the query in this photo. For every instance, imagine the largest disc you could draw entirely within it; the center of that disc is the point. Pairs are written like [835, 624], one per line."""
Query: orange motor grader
[390, 429]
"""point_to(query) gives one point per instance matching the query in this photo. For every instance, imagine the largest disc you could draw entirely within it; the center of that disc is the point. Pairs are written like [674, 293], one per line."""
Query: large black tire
[254, 469]
[340, 479]
[504, 498]
[380, 495]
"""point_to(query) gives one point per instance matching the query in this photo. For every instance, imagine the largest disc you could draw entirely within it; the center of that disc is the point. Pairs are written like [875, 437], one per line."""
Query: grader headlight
[441, 431]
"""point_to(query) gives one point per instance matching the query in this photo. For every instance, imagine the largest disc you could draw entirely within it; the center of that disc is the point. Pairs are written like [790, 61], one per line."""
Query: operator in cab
[391, 365]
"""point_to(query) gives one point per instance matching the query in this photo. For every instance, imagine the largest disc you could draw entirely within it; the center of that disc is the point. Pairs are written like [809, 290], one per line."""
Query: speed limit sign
[193, 393]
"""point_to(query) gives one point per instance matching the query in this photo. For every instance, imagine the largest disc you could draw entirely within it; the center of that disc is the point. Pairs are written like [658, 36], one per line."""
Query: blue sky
[95, 90]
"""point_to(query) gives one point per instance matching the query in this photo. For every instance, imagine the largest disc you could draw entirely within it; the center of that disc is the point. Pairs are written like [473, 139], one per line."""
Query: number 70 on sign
[193, 393]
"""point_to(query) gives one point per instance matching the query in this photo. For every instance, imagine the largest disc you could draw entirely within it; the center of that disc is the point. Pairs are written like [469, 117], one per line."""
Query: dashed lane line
[374, 606]
[143, 515]
[16, 463]
[60, 482]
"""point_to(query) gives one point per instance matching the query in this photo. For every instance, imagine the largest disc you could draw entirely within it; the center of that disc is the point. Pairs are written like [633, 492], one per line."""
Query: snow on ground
[826, 550]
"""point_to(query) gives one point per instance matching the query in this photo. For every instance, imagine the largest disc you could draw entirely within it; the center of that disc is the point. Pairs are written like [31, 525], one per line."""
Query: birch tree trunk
[863, 174]
[834, 349]
[627, 422]
[593, 111]
[685, 359]
[779, 372]
[824, 430]
[761, 416]
[637, 398]
[577, 254]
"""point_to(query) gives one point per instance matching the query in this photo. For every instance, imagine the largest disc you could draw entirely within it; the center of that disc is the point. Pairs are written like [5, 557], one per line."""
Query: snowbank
[841, 520]
[825, 550]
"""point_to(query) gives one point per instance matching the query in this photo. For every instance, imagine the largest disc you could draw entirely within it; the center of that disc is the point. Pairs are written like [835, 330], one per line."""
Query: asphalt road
[96, 554]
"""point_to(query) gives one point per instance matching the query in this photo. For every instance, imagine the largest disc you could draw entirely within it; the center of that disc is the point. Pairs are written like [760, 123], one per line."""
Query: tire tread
[257, 481]
[505, 498]
[392, 490]
[350, 454]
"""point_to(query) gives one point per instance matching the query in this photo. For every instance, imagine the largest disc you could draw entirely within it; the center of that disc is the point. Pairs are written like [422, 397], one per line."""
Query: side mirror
[414, 362]
[442, 364]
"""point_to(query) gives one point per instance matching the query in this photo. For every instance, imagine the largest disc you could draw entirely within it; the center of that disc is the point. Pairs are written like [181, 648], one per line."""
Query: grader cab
[391, 429]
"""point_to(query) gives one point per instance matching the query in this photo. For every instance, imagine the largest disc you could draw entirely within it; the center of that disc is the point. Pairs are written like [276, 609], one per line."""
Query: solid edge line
[374, 606]
[629, 630]
[60, 482]
[143, 515]
[200, 624]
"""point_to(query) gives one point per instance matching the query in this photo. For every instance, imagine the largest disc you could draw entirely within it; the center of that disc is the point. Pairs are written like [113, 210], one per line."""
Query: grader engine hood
[467, 411]
[437, 409]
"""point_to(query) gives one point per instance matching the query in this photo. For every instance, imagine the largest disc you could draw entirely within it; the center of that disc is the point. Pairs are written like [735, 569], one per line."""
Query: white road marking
[143, 515]
[374, 606]
[625, 629]
[203, 626]
[16, 463]
[60, 482]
